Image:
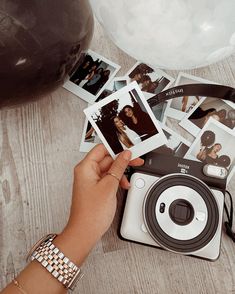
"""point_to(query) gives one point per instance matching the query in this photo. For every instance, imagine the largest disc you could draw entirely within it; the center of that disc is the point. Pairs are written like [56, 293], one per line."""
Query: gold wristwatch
[54, 261]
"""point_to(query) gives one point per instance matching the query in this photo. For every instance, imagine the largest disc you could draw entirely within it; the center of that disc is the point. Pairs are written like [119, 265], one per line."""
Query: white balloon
[171, 34]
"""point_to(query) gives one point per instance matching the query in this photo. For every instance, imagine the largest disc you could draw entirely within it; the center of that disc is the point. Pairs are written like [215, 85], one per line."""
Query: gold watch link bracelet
[55, 262]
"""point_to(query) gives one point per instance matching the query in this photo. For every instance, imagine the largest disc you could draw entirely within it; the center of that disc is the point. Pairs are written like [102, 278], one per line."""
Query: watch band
[54, 261]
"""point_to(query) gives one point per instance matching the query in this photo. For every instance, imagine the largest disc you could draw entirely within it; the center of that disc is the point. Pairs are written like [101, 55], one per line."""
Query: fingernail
[127, 155]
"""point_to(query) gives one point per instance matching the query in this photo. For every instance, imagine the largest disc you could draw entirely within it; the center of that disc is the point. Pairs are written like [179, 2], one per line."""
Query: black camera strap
[210, 90]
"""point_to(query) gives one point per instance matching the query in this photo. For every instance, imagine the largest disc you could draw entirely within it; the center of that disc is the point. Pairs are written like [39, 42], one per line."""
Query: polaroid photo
[208, 107]
[92, 77]
[124, 120]
[176, 145]
[151, 81]
[115, 85]
[185, 79]
[159, 111]
[214, 145]
[177, 108]
[89, 136]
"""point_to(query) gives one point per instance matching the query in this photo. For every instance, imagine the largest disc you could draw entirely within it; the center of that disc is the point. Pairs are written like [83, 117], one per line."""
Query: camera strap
[229, 223]
[210, 90]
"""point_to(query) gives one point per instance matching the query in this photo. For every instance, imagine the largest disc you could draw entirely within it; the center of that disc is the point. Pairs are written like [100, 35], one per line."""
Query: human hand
[92, 211]
[94, 194]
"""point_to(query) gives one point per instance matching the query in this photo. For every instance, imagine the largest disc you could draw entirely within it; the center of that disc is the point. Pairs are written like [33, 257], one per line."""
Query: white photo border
[194, 79]
[85, 95]
[195, 142]
[157, 71]
[86, 146]
[191, 127]
[177, 114]
[145, 146]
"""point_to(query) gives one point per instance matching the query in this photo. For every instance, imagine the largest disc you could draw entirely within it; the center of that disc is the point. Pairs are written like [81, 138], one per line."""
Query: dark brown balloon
[41, 43]
[224, 160]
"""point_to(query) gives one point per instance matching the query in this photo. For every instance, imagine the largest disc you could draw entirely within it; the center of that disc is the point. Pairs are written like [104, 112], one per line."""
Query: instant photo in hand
[124, 120]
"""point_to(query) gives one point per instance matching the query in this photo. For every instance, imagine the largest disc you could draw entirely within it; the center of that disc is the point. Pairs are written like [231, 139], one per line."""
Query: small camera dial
[162, 207]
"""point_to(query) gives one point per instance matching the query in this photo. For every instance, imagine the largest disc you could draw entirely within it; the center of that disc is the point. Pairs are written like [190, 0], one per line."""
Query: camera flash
[214, 171]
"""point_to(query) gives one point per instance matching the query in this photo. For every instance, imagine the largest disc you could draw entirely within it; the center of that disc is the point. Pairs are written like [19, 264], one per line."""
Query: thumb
[117, 169]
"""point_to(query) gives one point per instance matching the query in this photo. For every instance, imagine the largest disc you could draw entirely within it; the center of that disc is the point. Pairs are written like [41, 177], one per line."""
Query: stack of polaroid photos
[209, 121]
[192, 127]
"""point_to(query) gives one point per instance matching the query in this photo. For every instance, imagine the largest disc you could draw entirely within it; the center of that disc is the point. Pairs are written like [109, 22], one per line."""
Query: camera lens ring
[154, 229]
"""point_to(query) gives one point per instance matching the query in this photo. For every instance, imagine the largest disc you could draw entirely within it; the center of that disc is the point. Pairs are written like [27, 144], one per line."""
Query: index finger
[97, 153]
[136, 162]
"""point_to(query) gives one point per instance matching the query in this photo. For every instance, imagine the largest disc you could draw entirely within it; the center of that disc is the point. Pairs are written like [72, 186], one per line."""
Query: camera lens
[181, 212]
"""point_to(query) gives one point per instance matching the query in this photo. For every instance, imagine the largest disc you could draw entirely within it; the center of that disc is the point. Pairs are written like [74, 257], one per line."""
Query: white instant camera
[176, 204]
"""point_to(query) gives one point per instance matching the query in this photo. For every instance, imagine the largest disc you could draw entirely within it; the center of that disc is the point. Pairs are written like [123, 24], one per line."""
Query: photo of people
[175, 146]
[151, 81]
[92, 77]
[89, 136]
[178, 107]
[208, 107]
[214, 145]
[124, 120]
[186, 103]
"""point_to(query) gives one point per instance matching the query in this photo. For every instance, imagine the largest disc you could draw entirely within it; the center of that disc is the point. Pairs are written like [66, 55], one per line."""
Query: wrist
[57, 255]
[76, 244]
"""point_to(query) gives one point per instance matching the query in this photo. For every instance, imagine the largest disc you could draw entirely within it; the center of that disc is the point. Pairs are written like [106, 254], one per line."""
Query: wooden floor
[39, 146]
